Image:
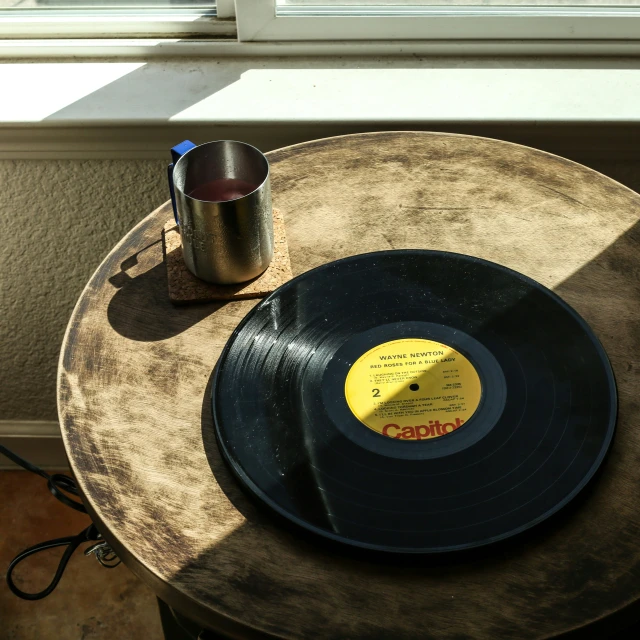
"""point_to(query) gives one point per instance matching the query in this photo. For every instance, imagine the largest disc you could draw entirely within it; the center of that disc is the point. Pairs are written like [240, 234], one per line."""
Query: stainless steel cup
[228, 241]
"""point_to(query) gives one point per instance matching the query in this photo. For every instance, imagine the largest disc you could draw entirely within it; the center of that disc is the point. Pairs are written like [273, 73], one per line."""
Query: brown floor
[90, 603]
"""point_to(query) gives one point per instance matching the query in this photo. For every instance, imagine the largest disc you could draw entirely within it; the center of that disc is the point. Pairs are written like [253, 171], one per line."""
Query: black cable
[59, 485]
[71, 542]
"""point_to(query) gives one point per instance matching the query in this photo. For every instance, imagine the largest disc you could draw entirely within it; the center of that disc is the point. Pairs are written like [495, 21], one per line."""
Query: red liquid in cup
[222, 189]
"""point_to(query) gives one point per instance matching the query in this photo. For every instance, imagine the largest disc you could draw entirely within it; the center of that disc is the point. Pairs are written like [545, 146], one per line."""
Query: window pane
[103, 5]
[359, 7]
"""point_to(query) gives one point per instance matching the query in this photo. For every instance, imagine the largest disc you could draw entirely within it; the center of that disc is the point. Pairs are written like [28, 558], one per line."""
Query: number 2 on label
[376, 393]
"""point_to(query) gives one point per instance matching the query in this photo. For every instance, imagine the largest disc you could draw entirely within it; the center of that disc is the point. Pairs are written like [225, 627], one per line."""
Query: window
[290, 20]
[609, 23]
[118, 18]
[101, 4]
[397, 7]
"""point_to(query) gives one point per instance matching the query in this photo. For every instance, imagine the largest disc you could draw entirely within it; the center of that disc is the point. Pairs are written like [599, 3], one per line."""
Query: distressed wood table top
[135, 374]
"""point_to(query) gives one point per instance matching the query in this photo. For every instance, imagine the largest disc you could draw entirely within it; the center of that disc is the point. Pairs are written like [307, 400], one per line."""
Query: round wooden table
[134, 384]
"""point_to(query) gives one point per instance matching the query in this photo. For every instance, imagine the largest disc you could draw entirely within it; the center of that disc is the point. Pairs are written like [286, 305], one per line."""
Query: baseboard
[38, 441]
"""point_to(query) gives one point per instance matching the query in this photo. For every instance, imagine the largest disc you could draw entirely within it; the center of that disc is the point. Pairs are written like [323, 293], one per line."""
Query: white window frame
[226, 8]
[258, 21]
[327, 31]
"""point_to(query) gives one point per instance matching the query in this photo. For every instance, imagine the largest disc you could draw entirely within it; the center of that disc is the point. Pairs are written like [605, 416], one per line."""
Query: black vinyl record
[414, 401]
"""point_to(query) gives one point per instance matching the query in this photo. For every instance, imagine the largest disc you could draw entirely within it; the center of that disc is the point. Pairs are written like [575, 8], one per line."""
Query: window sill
[95, 109]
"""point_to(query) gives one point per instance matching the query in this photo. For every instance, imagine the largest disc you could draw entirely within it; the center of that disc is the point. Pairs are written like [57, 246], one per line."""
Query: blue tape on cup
[176, 153]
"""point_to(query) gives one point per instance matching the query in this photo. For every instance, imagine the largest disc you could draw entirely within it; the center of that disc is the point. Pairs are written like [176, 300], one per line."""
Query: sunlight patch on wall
[417, 94]
[31, 92]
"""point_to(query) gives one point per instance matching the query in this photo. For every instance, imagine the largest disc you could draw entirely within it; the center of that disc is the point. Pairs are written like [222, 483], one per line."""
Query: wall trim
[38, 441]
[29, 429]
[580, 141]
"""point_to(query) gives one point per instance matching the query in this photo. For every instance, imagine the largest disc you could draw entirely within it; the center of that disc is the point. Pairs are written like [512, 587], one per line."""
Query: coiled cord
[60, 485]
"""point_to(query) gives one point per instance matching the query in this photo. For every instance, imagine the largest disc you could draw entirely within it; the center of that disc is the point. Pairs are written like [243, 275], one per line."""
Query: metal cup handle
[176, 153]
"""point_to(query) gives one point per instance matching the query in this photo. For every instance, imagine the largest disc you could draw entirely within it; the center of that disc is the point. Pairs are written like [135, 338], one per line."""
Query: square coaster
[184, 287]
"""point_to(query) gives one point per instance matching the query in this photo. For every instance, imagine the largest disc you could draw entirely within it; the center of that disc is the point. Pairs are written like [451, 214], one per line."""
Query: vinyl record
[414, 401]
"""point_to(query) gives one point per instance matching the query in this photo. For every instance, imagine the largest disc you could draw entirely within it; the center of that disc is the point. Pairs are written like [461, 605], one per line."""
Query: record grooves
[414, 402]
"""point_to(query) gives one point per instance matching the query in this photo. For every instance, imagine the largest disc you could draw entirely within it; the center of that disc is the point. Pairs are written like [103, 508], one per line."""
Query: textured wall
[60, 218]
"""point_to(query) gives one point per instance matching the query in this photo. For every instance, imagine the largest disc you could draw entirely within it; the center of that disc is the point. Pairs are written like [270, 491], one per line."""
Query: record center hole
[414, 386]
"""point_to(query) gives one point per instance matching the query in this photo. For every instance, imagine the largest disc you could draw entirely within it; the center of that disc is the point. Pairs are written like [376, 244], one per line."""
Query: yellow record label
[413, 389]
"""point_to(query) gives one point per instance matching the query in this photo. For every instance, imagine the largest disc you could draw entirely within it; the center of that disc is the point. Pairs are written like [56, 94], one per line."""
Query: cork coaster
[184, 287]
